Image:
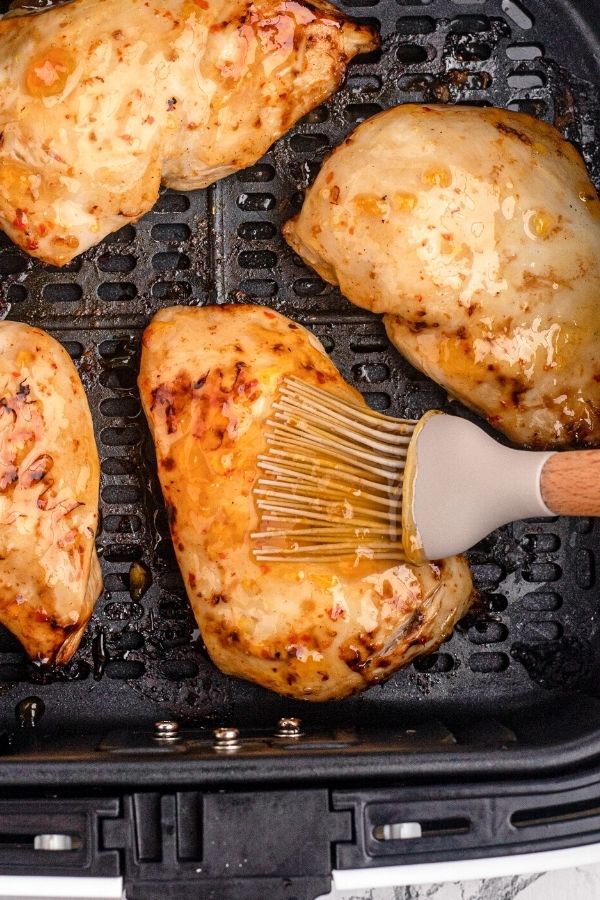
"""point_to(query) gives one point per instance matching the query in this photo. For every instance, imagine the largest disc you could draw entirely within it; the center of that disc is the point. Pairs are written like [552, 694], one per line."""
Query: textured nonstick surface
[533, 636]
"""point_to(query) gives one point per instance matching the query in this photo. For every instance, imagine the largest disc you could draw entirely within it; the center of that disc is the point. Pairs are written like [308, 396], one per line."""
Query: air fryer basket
[492, 743]
[507, 677]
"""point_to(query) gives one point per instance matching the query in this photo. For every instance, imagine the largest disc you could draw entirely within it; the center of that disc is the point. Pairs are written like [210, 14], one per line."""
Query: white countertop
[582, 883]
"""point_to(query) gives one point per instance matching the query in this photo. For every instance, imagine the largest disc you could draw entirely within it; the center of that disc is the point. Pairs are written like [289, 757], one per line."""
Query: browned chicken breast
[49, 478]
[477, 233]
[100, 102]
[316, 631]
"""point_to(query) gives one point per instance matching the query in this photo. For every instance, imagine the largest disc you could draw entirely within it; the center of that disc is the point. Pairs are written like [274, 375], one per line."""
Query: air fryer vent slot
[549, 815]
[61, 843]
[401, 831]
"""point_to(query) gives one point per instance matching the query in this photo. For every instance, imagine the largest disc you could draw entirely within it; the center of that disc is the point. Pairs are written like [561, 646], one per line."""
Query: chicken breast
[208, 380]
[477, 233]
[49, 478]
[101, 101]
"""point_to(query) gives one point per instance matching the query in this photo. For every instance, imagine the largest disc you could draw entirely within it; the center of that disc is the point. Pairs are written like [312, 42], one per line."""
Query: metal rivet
[227, 739]
[289, 727]
[398, 831]
[53, 842]
[166, 730]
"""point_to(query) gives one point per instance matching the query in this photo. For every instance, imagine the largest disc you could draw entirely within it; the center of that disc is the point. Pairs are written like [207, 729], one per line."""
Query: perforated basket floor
[534, 633]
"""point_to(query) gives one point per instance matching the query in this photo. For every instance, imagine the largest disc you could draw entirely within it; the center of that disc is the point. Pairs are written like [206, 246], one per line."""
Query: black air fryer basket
[491, 743]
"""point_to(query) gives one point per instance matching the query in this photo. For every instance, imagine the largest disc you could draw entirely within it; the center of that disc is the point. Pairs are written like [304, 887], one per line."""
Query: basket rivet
[226, 739]
[166, 730]
[289, 727]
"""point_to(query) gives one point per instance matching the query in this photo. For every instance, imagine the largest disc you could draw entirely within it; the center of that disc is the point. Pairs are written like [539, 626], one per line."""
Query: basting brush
[340, 480]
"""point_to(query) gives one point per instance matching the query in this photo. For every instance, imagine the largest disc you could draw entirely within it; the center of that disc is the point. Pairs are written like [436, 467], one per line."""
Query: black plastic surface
[514, 664]
[283, 844]
[80, 820]
[468, 820]
[247, 846]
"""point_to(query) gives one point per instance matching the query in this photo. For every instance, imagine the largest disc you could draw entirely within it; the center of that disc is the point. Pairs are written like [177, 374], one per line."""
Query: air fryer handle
[570, 483]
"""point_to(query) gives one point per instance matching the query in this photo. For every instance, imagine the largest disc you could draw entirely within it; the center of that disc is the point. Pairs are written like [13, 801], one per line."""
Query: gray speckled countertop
[566, 884]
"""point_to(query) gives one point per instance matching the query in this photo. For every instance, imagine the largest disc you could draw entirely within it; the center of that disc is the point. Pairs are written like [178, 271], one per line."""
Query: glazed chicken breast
[208, 380]
[101, 101]
[49, 478]
[477, 233]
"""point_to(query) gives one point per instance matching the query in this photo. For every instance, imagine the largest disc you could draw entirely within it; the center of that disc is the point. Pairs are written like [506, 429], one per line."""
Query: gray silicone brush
[341, 480]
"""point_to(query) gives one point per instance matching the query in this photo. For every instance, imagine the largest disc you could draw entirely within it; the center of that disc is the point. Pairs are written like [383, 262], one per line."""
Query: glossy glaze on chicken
[477, 233]
[317, 631]
[49, 479]
[102, 100]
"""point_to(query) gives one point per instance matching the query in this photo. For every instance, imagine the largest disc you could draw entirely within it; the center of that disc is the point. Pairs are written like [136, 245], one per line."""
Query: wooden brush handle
[570, 483]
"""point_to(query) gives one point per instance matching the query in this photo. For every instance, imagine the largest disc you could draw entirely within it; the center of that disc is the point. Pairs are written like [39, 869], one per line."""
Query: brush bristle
[333, 479]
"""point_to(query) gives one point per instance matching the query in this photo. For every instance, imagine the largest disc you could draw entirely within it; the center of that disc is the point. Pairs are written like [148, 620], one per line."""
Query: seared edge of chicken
[50, 577]
[477, 232]
[316, 631]
[101, 101]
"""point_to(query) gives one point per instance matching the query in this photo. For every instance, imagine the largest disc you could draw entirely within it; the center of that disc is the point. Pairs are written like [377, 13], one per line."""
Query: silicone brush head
[333, 476]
